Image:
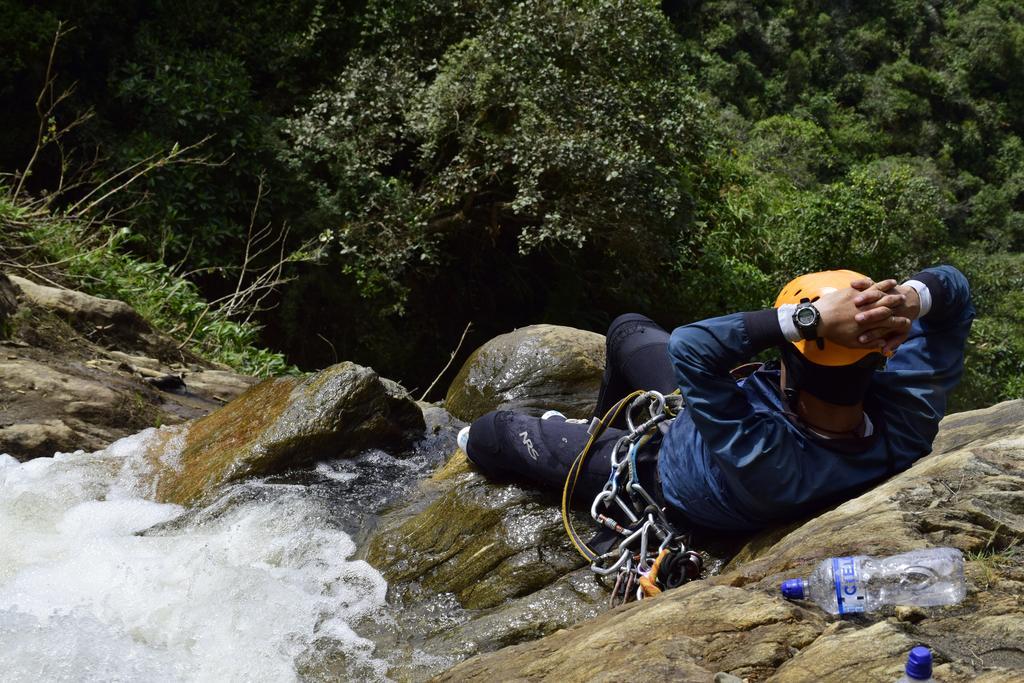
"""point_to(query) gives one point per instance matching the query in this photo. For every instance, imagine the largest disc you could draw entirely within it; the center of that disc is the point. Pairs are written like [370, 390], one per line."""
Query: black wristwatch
[806, 318]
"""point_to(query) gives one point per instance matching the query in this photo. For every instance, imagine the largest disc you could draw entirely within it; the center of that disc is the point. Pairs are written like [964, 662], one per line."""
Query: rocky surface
[78, 372]
[8, 304]
[111, 323]
[280, 424]
[480, 572]
[493, 557]
[968, 494]
[533, 369]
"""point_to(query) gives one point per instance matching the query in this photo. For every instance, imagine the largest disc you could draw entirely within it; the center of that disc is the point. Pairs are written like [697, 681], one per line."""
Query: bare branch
[450, 361]
[194, 329]
[138, 170]
[333, 350]
[45, 115]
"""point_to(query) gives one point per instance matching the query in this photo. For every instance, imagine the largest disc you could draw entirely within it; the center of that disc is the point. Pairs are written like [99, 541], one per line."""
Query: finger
[889, 328]
[892, 343]
[873, 337]
[868, 296]
[892, 300]
[861, 284]
[874, 292]
[874, 316]
[885, 285]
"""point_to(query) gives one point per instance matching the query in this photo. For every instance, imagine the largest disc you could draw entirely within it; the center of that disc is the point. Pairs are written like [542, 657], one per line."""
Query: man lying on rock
[866, 370]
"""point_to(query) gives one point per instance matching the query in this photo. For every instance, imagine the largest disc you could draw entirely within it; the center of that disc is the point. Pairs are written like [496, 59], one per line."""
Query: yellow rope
[577, 467]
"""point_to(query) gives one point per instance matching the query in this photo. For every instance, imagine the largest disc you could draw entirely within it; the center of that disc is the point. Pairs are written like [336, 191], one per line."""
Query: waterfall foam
[97, 582]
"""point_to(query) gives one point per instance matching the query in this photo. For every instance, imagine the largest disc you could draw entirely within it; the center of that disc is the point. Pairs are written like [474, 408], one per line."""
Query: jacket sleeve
[702, 355]
[913, 388]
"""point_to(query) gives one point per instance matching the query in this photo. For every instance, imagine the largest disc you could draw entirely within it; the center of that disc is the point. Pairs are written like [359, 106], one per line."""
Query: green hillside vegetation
[66, 250]
[505, 163]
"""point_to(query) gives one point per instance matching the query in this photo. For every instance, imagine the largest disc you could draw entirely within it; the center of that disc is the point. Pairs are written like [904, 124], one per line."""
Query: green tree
[550, 127]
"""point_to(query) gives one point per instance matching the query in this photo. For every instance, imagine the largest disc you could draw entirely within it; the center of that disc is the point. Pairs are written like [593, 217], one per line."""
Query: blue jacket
[736, 460]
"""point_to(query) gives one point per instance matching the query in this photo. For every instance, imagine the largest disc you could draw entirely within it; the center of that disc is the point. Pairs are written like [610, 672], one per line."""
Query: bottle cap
[919, 663]
[793, 589]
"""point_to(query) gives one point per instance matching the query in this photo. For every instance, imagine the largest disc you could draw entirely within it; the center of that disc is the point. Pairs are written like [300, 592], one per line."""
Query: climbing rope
[650, 556]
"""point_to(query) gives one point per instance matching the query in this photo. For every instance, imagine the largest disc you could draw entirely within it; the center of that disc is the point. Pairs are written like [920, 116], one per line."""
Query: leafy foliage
[551, 124]
[526, 161]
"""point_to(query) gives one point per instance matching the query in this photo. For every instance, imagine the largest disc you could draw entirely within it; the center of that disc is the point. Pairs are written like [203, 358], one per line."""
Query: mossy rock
[486, 543]
[533, 369]
[280, 424]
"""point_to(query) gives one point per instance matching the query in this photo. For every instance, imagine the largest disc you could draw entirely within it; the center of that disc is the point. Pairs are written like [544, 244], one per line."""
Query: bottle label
[849, 586]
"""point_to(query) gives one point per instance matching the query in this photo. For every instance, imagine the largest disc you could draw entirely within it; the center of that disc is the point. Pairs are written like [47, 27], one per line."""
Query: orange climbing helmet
[832, 372]
[809, 288]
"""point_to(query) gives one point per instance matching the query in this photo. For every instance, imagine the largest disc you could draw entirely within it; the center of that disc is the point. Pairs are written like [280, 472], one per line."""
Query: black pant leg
[637, 358]
[511, 445]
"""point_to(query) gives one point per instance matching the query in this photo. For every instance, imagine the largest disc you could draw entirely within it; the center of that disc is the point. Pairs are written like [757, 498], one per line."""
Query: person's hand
[875, 296]
[864, 316]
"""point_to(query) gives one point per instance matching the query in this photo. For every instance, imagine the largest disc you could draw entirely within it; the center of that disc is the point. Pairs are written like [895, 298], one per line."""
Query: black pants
[510, 445]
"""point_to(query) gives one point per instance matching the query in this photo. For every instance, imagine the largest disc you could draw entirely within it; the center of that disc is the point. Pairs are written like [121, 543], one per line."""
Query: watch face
[805, 315]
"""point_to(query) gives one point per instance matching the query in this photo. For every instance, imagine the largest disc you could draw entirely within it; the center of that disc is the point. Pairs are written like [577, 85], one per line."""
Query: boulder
[81, 308]
[969, 494]
[47, 409]
[533, 369]
[8, 304]
[280, 424]
[480, 541]
[683, 635]
[112, 323]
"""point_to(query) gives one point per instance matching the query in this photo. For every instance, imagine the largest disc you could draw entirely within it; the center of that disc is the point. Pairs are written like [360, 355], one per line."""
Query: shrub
[558, 126]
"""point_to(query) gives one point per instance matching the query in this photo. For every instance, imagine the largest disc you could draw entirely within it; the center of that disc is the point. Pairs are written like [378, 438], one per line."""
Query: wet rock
[533, 369]
[173, 384]
[483, 542]
[45, 409]
[280, 424]
[36, 439]
[571, 599]
[492, 557]
[438, 419]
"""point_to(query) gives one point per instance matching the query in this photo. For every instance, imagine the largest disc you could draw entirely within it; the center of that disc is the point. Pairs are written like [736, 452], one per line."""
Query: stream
[98, 581]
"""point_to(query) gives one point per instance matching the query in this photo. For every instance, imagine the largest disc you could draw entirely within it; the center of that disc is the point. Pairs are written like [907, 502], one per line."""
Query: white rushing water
[258, 587]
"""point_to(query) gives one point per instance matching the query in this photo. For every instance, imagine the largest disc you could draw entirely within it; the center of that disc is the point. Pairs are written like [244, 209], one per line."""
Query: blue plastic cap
[919, 663]
[793, 589]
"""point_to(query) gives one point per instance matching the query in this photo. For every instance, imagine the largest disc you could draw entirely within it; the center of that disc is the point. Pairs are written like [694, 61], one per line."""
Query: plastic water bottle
[847, 585]
[919, 666]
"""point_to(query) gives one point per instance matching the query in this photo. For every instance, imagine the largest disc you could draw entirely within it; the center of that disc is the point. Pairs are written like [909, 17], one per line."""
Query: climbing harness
[650, 555]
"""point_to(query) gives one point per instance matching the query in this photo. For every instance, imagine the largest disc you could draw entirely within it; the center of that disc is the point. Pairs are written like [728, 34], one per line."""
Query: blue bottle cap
[793, 589]
[919, 663]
